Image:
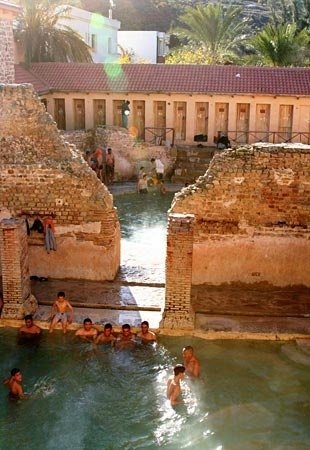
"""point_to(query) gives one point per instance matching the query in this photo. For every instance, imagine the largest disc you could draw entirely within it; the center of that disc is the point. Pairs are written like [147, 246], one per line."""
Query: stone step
[251, 324]
[195, 153]
[192, 165]
[190, 171]
[183, 179]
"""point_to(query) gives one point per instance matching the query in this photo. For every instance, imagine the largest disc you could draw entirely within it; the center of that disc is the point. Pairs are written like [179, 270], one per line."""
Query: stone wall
[129, 154]
[252, 213]
[7, 74]
[17, 296]
[41, 174]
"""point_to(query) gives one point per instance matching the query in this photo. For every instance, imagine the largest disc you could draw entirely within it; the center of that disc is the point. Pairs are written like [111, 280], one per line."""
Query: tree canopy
[42, 40]
[218, 31]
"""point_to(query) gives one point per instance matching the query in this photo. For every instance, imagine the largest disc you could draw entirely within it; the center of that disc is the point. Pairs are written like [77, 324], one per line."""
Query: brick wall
[6, 52]
[40, 174]
[15, 267]
[252, 215]
[178, 312]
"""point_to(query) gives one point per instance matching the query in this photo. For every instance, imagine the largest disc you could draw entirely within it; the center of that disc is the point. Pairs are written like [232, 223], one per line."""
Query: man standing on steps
[110, 163]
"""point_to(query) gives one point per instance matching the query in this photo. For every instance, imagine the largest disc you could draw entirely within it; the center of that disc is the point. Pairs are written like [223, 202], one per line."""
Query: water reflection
[143, 220]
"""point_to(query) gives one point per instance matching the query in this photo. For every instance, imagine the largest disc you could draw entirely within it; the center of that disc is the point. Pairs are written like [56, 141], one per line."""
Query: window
[93, 42]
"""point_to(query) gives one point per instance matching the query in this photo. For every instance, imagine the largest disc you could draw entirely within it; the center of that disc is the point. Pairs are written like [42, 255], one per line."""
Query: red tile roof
[23, 75]
[150, 78]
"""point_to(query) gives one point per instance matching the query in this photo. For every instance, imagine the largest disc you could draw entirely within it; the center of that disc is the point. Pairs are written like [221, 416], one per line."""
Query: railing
[273, 137]
[159, 136]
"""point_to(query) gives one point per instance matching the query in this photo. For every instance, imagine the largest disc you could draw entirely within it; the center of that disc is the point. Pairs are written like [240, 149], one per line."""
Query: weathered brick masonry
[178, 312]
[40, 174]
[252, 220]
[15, 269]
[7, 74]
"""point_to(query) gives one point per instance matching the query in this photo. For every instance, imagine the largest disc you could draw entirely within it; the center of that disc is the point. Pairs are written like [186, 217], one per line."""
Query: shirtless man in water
[173, 384]
[30, 328]
[88, 332]
[191, 363]
[145, 334]
[59, 312]
[14, 383]
[126, 339]
[106, 337]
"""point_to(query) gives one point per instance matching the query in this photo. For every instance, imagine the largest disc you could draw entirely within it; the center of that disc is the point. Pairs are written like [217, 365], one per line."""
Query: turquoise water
[252, 395]
[143, 220]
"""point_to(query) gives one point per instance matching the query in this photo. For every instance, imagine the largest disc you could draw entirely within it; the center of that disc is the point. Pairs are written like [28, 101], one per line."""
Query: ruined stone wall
[6, 52]
[252, 210]
[41, 174]
[129, 154]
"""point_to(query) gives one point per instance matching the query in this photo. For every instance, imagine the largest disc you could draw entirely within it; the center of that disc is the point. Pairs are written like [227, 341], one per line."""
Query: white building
[99, 32]
[145, 46]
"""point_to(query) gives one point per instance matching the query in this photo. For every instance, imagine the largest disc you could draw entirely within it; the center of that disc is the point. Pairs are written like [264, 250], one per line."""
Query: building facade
[175, 104]
[99, 32]
[145, 46]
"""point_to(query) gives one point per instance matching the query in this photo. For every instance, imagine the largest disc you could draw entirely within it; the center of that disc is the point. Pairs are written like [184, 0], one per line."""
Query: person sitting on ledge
[30, 328]
[107, 336]
[88, 332]
[223, 142]
[59, 312]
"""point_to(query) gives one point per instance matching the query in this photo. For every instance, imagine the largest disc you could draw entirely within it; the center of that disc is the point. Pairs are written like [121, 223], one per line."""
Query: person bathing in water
[88, 332]
[14, 383]
[191, 363]
[174, 386]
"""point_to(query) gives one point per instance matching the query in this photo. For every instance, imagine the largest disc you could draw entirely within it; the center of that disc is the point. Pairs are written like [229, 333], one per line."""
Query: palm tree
[282, 45]
[215, 28]
[42, 40]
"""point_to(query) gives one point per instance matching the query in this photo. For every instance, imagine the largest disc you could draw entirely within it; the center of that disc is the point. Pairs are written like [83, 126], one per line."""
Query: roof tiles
[200, 79]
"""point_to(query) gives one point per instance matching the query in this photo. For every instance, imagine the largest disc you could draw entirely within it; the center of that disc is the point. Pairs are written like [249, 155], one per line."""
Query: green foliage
[218, 30]
[37, 33]
[187, 55]
[282, 45]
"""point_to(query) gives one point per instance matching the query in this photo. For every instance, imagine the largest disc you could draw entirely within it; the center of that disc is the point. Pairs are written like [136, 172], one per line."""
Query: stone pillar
[8, 11]
[7, 74]
[178, 311]
[15, 269]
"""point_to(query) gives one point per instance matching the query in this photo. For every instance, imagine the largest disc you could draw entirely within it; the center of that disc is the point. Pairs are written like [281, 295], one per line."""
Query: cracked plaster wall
[252, 217]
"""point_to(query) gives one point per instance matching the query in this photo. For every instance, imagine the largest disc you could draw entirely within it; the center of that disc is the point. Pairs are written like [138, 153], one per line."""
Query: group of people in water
[155, 177]
[62, 311]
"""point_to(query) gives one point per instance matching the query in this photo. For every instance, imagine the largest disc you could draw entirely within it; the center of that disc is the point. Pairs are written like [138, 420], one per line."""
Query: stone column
[178, 311]
[8, 12]
[15, 269]
[7, 74]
